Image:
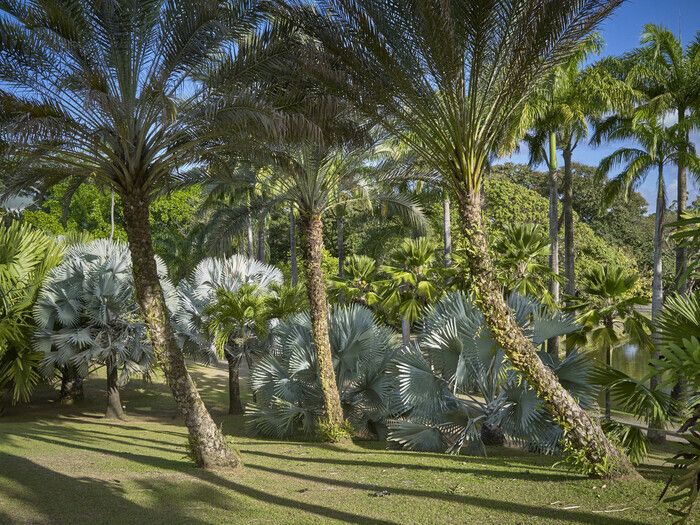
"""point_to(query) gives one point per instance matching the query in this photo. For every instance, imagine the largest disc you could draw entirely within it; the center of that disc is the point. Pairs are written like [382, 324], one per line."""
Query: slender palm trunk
[249, 237]
[405, 332]
[609, 325]
[568, 205]
[340, 228]
[553, 343]
[114, 401]
[207, 443]
[234, 385]
[261, 237]
[447, 230]
[681, 252]
[581, 431]
[657, 291]
[293, 247]
[318, 306]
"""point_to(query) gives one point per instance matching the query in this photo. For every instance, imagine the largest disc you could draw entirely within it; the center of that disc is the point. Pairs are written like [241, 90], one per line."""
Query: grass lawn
[66, 464]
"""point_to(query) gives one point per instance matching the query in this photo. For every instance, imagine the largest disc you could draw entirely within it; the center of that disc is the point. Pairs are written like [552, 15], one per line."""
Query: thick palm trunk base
[114, 400]
[235, 406]
[207, 444]
[582, 433]
[333, 420]
[71, 386]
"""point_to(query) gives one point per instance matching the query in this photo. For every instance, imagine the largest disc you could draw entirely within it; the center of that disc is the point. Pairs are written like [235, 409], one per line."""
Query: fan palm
[452, 79]
[26, 257]
[101, 89]
[457, 388]
[668, 75]
[286, 382]
[222, 307]
[86, 313]
[358, 284]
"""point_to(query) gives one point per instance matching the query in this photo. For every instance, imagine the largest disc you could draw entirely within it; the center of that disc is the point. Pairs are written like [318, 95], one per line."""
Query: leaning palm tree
[451, 79]
[100, 89]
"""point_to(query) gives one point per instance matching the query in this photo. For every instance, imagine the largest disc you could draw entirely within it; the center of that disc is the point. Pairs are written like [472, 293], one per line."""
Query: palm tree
[26, 258]
[86, 313]
[606, 309]
[102, 90]
[358, 283]
[657, 147]
[667, 74]
[452, 79]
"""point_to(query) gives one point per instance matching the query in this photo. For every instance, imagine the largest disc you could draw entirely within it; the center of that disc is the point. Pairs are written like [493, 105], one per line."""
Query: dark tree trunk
[293, 247]
[261, 237]
[71, 386]
[234, 385]
[581, 431]
[492, 435]
[318, 306]
[114, 401]
[207, 443]
[553, 343]
[447, 230]
[657, 293]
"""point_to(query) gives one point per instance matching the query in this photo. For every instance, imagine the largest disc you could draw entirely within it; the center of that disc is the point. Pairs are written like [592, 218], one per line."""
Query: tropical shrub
[286, 386]
[457, 389]
[86, 314]
[26, 257]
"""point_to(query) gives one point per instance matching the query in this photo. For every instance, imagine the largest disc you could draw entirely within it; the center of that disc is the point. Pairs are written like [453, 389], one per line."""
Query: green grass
[66, 464]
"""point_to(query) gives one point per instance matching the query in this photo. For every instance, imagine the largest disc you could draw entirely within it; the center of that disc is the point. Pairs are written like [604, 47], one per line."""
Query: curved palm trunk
[582, 432]
[657, 292]
[114, 401]
[207, 443]
[293, 247]
[553, 343]
[447, 230]
[318, 305]
[234, 385]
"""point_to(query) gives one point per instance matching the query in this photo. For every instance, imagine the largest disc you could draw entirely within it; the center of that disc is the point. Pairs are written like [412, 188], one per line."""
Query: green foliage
[687, 487]
[359, 284]
[26, 257]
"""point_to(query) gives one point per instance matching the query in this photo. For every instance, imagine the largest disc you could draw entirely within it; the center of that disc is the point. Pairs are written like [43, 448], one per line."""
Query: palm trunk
[609, 325]
[114, 401]
[261, 238]
[447, 230]
[682, 199]
[318, 305]
[234, 385]
[249, 237]
[340, 227]
[405, 332]
[553, 343]
[657, 293]
[71, 386]
[581, 431]
[293, 247]
[207, 443]
[568, 205]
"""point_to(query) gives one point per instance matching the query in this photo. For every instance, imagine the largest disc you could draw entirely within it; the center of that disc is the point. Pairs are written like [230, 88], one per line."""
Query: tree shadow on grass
[218, 480]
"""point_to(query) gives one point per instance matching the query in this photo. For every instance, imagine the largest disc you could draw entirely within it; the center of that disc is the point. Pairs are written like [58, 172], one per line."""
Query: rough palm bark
[234, 384]
[553, 343]
[114, 401]
[447, 230]
[581, 431]
[71, 386]
[207, 443]
[657, 293]
[318, 306]
[293, 247]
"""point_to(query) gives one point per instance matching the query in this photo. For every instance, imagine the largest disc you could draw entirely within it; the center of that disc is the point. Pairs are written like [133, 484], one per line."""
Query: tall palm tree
[452, 79]
[100, 89]
[657, 147]
[667, 74]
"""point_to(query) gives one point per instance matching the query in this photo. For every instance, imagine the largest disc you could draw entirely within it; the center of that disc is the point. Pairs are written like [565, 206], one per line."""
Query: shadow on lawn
[42, 481]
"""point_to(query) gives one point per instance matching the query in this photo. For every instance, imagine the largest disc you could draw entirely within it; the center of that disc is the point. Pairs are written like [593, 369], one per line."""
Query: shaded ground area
[66, 464]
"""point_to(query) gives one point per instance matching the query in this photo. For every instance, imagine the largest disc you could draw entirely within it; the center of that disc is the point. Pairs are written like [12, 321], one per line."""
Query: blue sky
[621, 32]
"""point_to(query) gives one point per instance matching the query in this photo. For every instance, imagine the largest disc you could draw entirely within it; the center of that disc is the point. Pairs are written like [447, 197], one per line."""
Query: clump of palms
[86, 314]
[458, 389]
[453, 83]
[26, 257]
[358, 284]
[289, 401]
